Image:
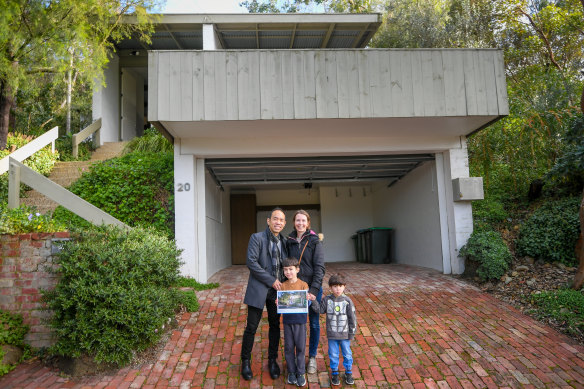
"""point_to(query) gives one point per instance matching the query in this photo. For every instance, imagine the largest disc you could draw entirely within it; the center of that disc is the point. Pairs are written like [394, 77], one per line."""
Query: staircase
[65, 173]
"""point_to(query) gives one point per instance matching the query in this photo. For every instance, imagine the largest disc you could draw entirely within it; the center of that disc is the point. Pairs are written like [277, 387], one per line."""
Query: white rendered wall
[458, 213]
[190, 229]
[129, 105]
[344, 210]
[106, 101]
[410, 207]
[218, 227]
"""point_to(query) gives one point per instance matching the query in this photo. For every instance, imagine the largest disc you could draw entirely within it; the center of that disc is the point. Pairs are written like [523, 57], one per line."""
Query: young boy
[341, 324]
[294, 327]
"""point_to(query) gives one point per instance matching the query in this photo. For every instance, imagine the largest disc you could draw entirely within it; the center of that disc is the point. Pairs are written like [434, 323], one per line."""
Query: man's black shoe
[273, 368]
[246, 370]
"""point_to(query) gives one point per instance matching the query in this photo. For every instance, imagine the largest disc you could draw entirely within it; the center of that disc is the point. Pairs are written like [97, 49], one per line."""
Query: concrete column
[210, 39]
[190, 230]
[458, 214]
[106, 102]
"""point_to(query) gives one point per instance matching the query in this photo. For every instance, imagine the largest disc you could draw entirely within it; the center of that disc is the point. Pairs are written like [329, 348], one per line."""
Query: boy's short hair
[290, 261]
[337, 279]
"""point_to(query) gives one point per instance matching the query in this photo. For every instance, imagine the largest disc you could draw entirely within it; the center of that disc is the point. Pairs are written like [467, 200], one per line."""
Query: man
[265, 253]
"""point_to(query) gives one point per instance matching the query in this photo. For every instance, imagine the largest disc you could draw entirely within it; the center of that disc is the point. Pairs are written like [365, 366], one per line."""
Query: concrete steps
[65, 173]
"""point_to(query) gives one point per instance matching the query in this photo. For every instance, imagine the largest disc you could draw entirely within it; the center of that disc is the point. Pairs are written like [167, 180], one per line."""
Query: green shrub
[42, 161]
[489, 251]
[189, 300]
[137, 189]
[151, 142]
[12, 331]
[551, 232]
[65, 146]
[26, 219]
[565, 305]
[187, 282]
[488, 213]
[115, 293]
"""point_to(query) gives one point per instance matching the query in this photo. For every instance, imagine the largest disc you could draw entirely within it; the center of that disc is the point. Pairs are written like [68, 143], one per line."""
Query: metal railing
[19, 172]
[30, 148]
[94, 127]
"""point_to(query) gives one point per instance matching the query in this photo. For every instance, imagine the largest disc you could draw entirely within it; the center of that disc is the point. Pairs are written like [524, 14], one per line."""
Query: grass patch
[187, 282]
[563, 305]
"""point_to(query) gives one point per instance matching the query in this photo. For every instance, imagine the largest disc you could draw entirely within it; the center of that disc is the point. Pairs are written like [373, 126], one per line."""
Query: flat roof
[260, 31]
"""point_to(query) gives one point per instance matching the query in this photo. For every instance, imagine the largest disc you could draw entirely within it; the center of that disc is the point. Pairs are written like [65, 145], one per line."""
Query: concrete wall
[410, 207]
[218, 227]
[344, 210]
[106, 103]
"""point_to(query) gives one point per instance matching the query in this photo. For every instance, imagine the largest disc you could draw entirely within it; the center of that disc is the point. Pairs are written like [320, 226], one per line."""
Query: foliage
[65, 146]
[114, 293]
[488, 249]
[26, 219]
[151, 142]
[188, 299]
[137, 189]
[569, 168]
[42, 161]
[551, 232]
[488, 212]
[40, 40]
[291, 6]
[12, 331]
[565, 305]
[186, 282]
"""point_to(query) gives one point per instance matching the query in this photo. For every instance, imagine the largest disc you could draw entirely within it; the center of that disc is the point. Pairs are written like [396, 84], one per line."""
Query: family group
[296, 262]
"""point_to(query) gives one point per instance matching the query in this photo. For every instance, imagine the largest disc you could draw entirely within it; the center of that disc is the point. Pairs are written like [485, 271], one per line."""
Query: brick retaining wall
[25, 261]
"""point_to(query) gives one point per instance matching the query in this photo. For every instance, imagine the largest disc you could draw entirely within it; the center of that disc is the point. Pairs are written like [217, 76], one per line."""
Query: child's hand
[310, 296]
[276, 301]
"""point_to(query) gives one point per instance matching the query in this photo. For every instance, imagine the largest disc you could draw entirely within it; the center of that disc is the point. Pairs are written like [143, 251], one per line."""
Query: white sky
[203, 6]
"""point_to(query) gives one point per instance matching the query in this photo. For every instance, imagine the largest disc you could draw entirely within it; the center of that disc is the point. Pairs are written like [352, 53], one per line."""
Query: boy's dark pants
[295, 347]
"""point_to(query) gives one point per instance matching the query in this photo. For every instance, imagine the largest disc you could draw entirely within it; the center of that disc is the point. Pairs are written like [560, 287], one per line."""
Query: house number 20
[184, 187]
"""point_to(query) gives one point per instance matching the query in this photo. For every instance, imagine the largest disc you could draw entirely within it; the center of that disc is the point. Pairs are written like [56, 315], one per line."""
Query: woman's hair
[302, 212]
[337, 279]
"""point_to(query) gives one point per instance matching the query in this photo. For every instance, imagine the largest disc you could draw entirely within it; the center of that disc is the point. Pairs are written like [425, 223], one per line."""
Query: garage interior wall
[411, 208]
[218, 226]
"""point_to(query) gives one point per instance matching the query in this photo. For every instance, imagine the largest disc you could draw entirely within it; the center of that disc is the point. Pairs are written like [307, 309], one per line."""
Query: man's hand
[277, 285]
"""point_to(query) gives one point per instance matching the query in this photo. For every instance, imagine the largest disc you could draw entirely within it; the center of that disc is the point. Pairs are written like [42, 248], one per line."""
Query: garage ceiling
[308, 170]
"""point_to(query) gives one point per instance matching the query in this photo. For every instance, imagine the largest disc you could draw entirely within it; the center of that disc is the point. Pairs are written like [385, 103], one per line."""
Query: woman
[304, 244]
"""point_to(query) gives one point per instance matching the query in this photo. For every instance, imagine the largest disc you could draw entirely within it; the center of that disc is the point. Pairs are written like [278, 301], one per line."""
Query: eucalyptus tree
[291, 6]
[44, 37]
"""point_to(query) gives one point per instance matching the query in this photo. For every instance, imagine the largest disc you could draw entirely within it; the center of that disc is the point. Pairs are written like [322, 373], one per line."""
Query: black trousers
[254, 316]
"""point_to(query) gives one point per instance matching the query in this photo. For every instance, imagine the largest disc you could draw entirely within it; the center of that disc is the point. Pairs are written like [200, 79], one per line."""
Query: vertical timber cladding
[311, 84]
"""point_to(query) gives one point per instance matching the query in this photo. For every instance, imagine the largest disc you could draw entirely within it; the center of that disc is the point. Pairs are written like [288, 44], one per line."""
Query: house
[293, 110]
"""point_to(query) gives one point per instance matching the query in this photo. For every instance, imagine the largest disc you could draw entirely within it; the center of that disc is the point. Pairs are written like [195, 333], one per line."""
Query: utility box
[467, 188]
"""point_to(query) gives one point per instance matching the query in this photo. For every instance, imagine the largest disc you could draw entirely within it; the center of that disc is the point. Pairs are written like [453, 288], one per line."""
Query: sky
[203, 6]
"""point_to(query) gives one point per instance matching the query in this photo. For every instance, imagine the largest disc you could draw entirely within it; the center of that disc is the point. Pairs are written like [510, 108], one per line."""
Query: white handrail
[20, 172]
[30, 148]
[84, 134]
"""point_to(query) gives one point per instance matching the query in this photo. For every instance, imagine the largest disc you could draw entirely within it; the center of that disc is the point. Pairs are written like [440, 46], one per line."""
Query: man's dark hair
[290, 261]
[277, 209]
[337, 279]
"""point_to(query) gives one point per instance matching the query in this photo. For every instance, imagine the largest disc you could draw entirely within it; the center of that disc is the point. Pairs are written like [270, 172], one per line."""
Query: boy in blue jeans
[341, 324]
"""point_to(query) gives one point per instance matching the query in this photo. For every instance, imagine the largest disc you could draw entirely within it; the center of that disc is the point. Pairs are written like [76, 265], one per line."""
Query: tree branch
[543, 37]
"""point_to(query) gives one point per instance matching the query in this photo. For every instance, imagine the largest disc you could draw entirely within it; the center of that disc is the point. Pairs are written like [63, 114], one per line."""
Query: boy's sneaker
[335, 380]
[311, 366]
[349, 379]
[300, 380]
[291, 379]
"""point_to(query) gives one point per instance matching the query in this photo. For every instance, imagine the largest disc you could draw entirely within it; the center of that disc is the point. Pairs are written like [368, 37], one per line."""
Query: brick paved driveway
[416, 328]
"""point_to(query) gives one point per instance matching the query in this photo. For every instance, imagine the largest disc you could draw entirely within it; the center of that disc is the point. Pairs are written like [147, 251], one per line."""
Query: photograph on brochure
[292, 301]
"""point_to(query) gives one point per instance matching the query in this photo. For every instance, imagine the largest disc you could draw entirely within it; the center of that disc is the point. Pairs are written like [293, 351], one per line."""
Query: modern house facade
[294, 111]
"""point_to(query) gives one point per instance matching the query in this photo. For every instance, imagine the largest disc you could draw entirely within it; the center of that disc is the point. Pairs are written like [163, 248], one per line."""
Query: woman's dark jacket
[312, 263]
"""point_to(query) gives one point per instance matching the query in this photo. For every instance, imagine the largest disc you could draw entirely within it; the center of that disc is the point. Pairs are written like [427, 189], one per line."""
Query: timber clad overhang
[326, 84]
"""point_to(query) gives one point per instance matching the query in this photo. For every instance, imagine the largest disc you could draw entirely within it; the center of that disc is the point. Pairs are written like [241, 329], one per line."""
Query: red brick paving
[417, 328]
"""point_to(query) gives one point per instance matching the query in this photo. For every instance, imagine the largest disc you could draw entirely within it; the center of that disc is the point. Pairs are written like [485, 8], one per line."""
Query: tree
[53, 37]
[291, 6]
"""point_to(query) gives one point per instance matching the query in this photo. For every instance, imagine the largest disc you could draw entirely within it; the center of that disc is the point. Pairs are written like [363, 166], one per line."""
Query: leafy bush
[189, 300]
[151, 142]
[488, 213]
[136, 189]
[187, 282]
[566, 305]
[65, 146]
[42, 161]
[12, 331]
[26, 219]
[551, 232]
[114, 294]
[489, 251]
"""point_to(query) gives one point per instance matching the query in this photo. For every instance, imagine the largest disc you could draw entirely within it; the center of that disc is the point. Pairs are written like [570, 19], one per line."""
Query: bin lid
[361, 230]
[378, 228]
